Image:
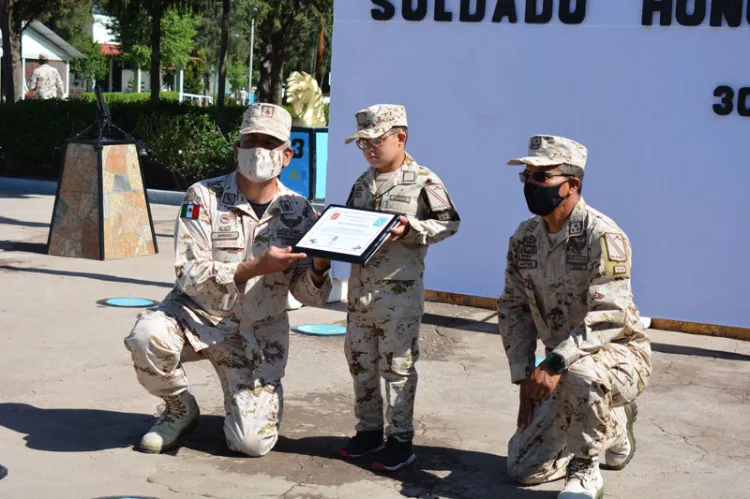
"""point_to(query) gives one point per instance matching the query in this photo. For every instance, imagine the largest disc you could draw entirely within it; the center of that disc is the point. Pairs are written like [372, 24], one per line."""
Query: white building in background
[36, 39]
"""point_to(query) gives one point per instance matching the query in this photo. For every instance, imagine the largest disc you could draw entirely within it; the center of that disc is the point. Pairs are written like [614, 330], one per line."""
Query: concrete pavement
[71, 408]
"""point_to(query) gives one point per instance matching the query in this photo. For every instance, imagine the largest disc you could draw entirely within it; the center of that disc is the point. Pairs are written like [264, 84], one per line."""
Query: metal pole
[250, 75]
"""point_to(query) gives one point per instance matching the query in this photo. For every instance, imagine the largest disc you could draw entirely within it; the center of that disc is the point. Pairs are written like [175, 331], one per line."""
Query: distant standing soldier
[45, 81]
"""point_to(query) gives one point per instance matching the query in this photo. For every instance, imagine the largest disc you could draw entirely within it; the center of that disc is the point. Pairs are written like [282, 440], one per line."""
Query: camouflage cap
[268, 119]
[549, 150]
[374, 121]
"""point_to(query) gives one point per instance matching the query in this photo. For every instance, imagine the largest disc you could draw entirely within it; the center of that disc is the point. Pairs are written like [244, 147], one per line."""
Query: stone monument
[101, 210]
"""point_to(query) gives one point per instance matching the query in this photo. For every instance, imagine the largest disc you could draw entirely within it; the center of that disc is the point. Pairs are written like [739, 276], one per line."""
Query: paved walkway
[71, 408]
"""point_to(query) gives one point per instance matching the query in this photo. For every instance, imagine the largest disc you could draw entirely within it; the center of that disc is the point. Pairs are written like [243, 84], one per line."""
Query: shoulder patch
[616, 246]
[437, 197]
[615, 254]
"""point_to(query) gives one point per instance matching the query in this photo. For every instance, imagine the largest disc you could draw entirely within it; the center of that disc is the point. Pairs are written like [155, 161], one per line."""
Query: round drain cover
[3, 472]
[127, 302]
[321, 329]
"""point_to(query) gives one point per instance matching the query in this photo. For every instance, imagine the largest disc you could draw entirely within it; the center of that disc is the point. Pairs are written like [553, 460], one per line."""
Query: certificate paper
[347, 234]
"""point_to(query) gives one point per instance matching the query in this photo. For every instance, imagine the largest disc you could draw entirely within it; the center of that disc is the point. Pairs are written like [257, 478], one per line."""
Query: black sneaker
[396, 456]
[363, 443]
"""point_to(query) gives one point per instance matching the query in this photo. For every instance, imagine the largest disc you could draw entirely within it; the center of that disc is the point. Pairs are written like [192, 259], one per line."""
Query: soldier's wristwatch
[555, 363]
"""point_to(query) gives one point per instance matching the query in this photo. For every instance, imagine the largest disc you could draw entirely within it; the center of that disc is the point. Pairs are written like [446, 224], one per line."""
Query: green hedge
[119, 97]
[183, 143]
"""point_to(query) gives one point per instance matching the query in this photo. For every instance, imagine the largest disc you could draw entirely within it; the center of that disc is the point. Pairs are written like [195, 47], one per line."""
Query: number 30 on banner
[725, 105]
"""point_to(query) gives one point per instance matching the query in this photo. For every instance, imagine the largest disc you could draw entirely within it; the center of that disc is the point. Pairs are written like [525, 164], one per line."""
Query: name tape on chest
[225, 236]
[437, 197]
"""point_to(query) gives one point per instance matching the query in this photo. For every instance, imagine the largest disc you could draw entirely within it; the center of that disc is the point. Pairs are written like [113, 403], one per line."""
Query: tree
[281, 25]
[133, 32]
[71, 22]
[237, 75]
[93, 66]
[13, 16]
[226, 6]
[154, 11]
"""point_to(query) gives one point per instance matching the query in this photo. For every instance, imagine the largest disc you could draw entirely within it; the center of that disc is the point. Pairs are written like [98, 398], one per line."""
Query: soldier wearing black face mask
[567, 283]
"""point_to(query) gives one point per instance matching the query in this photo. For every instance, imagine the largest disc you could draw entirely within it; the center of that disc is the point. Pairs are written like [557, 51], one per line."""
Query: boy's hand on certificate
[400, 230]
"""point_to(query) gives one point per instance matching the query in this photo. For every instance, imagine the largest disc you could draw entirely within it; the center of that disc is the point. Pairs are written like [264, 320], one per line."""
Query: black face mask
[542, 200]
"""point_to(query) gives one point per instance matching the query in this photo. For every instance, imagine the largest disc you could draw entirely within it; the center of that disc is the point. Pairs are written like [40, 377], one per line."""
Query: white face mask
[258, 164]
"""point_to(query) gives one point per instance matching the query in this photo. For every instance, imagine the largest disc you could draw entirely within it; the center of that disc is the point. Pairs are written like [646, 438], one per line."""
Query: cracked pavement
[71, 408]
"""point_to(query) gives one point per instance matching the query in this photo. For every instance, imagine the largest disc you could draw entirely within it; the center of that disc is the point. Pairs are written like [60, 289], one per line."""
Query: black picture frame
[364, 257]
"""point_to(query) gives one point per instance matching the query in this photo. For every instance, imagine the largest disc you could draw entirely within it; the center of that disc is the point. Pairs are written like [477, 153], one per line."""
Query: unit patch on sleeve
[615, 255]
[437, 197]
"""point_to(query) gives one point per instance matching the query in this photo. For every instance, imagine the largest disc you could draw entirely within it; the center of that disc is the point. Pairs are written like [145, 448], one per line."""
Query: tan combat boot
[179, 417]
[621, 451]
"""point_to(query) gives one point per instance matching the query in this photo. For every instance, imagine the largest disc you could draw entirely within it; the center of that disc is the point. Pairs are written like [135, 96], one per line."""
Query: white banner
[658, 90]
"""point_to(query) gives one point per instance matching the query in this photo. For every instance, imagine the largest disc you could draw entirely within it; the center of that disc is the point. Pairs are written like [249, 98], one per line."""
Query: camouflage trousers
[376, 347]
[253, 407]
[579, 418]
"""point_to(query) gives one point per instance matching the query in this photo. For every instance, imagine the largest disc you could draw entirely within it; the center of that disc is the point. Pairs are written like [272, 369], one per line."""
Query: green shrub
[33, 132]
[120, 97]
[191, 146]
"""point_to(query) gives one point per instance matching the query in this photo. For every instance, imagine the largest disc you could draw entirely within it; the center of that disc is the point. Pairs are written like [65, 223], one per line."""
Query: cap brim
[534, 161]
[264, 131]
[369, 133]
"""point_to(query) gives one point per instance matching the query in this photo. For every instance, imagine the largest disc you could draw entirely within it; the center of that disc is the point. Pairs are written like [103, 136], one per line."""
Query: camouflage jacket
[570, 289]
[216, 230]
[46, 83]
[392, 282]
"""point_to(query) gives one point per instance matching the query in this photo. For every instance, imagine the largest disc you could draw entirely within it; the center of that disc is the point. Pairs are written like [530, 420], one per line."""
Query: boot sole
[631, 411]
[347, 455]
[176, 443]
[398, 467]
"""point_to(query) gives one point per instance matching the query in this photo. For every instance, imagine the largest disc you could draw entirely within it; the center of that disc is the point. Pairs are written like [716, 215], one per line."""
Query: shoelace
[579, 468]
[173, 408]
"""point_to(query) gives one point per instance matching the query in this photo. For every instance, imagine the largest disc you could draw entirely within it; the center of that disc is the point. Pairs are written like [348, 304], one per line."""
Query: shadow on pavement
[87, 275]
[697, 352]
[24, 247]
[73, 430]
[463, 473]
[22, 223]
[461, 323]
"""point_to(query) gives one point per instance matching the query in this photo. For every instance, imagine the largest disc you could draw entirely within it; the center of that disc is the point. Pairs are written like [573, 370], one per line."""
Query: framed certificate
[350, 235]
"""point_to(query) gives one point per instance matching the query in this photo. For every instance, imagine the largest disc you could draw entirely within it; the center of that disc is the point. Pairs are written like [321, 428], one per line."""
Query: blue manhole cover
[321, 329]
[3, 472]
[127, 302]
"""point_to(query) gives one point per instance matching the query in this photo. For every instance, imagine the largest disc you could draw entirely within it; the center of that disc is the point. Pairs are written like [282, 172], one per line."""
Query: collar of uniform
[232, 196]
[406, 174]
[281, 204]
[573, 226]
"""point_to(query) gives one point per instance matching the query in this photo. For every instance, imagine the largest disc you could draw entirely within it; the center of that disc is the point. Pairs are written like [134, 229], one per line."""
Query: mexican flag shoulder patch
[190, 211]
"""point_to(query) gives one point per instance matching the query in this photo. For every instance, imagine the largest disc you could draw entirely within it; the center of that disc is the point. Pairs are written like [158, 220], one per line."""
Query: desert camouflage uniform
[386, 296]
[46, 82]
[243, 331]
[572, 290]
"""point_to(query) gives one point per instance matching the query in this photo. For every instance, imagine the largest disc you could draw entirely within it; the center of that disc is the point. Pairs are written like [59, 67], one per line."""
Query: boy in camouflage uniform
[567, 282]
[234, 270]
[386, 296]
